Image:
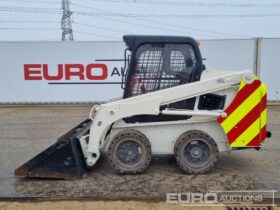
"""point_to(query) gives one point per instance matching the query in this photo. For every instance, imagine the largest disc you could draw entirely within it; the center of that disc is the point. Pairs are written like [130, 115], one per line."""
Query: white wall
[233, 55]
[269, 67]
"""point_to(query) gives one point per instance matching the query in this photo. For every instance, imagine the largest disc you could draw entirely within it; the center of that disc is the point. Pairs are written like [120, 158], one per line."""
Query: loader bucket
[62, 160]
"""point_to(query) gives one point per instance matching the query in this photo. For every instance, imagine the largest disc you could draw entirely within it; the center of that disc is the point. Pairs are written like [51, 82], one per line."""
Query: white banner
[88, 71]
[60, 71]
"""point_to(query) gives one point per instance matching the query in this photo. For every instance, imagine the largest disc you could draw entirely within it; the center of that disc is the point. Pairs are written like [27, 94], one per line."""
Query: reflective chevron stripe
[245, 124]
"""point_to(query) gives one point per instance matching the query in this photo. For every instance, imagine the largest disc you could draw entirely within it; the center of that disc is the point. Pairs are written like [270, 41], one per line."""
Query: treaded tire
[192, 137]
[145, 157]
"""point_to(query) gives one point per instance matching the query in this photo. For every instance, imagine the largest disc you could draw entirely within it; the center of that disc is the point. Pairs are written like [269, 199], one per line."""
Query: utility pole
[66, 22]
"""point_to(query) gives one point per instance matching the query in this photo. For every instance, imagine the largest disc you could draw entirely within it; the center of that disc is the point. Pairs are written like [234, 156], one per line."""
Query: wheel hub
[197, 152]
[129, 152]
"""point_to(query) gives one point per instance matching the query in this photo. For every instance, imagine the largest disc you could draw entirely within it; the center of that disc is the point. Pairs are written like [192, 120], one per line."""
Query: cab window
[160, 66]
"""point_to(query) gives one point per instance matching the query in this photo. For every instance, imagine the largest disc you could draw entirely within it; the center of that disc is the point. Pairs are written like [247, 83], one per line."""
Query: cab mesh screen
[161, 66]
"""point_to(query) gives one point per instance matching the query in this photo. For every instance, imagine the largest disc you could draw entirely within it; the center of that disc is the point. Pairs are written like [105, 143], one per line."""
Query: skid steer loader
[171, 105]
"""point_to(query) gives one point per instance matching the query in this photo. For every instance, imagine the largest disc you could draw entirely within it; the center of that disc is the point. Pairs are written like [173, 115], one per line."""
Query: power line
[135, 24]
[102, 14]
[95, 34]
[56, 29]
[124, 32]
[156, 27]
[191, 28]
[27, 28]
[32, 1]
[74, 22]
[143, 25]
[269, 27]
[201, 16]
[31, 10]
[131, 15]
[28, 21]
[99, 27]
[119, 21]
[193, 4]
[125, 22]
[180, 26]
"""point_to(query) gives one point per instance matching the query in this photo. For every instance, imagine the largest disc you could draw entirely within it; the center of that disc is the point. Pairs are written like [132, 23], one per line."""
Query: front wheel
[196, 152]
[129, 152]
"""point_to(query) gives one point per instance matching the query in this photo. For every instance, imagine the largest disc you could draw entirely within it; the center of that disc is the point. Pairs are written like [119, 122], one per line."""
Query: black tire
[129, 152]
[196, 152]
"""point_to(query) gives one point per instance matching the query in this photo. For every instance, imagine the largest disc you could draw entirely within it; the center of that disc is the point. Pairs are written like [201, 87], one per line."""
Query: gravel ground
[26, 131]
[101, 205]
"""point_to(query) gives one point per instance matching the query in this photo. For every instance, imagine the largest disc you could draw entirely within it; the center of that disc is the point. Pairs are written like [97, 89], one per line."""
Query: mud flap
[63, 160]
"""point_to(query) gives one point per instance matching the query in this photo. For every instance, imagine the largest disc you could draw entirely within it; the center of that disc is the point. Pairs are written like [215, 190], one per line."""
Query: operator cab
[159, 62]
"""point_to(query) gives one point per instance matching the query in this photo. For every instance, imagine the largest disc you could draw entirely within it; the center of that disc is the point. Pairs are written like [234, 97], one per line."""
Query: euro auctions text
[222, 198]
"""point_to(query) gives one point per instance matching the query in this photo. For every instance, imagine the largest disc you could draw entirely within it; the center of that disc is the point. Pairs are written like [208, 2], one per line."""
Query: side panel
[245, 124]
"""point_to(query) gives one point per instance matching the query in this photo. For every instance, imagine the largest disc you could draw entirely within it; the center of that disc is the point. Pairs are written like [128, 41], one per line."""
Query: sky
[103, 20]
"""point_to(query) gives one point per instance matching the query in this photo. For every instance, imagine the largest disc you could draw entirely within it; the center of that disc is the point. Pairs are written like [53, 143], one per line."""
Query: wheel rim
[197, 153]
[129, 152]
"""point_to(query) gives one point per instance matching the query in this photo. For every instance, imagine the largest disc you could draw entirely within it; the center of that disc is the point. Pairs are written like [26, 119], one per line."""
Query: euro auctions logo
[95, 71]
[228, 198]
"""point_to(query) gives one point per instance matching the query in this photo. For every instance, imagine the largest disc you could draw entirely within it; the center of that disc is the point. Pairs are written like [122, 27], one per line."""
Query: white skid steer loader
[171, 105]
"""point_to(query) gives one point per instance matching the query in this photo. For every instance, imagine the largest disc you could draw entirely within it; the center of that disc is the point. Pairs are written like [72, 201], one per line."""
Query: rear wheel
[129, 152]
[195, 152]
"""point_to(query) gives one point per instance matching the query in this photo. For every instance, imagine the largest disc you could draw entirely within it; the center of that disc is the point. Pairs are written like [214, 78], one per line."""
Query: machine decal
[245, 124]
